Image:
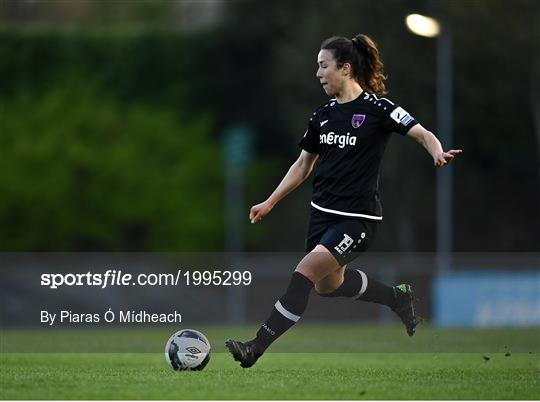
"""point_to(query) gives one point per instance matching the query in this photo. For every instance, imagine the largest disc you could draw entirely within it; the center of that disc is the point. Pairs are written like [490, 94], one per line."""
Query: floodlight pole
[237, 152]
[444, 131]
[431, 27]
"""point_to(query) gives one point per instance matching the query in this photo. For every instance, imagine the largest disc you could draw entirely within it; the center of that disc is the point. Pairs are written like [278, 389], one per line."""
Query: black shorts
[344, 237]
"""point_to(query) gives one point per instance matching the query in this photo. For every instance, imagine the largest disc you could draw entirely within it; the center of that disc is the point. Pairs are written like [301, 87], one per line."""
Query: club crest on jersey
[357, 120]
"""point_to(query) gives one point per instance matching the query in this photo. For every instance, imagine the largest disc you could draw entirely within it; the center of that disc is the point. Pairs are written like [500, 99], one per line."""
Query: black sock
[354, 285]
[378, 292]
[286, 312]
[359, 285]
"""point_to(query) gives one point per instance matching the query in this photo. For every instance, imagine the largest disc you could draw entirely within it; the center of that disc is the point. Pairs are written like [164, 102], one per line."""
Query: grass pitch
[489, 365]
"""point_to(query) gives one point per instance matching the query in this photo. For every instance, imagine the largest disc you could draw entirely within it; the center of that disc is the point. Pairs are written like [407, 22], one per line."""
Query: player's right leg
[288, 309]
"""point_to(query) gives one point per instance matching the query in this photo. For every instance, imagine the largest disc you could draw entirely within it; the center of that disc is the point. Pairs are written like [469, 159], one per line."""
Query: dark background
[113, 115]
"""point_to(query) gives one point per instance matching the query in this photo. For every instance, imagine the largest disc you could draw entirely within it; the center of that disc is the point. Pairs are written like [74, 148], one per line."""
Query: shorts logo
[344, 244]
[357, 120]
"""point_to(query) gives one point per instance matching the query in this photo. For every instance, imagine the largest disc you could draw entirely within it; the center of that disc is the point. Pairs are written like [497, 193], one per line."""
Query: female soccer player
[345, 142]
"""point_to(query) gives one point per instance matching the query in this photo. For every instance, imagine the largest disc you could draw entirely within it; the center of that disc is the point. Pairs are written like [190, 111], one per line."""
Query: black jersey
[350, 139]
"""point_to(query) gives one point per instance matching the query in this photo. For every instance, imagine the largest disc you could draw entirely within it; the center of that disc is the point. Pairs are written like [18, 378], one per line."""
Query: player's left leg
[348, 239]
[331, 282]
[358, 285]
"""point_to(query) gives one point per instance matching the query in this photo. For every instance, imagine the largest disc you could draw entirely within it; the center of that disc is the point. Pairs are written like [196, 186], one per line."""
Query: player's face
[330, 77]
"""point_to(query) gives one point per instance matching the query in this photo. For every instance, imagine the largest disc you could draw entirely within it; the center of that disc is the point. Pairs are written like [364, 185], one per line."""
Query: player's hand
[259, 211]
[444, 158]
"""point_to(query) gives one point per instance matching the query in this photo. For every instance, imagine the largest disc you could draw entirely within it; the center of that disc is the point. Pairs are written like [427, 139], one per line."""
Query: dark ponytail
[363, 55]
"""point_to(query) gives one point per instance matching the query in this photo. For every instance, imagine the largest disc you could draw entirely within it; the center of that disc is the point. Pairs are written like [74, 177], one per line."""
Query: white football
[187, 349]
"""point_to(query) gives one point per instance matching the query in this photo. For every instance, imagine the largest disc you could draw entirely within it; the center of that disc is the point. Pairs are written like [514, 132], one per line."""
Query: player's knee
[323, 290]
[317, 264]
[307, 271]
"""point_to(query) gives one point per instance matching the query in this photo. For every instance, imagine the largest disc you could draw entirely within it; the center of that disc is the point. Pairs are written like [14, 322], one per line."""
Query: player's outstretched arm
[428, 140]
[298, 172]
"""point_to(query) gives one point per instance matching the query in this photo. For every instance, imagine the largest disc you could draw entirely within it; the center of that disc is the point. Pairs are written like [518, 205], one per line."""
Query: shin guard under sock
[378, 292]
[286, 312]
[354, 285]
[359, 285]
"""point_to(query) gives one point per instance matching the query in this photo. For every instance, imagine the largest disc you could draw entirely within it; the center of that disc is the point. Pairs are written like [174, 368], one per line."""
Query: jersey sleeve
[396, 119]
[310, 141]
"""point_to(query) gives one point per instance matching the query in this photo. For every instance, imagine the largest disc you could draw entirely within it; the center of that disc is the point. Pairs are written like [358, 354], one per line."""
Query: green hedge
[159, 68]
[81, 170]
